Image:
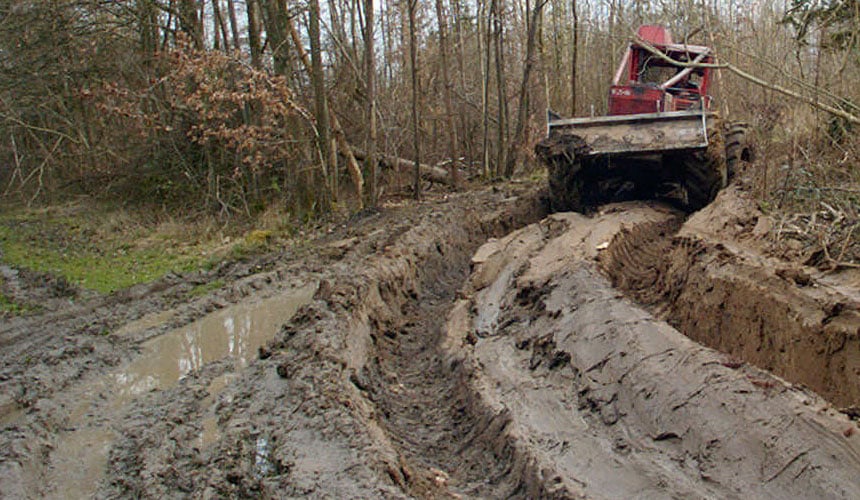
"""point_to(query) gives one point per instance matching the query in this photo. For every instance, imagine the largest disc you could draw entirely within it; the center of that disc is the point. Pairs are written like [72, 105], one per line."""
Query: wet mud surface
[469, 347]
[609, 402]
[711, 279]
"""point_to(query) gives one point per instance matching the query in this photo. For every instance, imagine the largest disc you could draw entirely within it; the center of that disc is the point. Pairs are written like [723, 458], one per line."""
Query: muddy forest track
[419, 367]
[351, 398]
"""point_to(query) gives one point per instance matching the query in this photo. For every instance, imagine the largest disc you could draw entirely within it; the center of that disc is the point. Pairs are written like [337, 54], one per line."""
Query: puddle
[234, 332]
[9, 413]
[78, 462]
[210, 432]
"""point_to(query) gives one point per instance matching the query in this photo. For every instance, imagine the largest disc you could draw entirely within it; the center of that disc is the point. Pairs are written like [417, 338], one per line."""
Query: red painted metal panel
[655, 34]
[634, 99]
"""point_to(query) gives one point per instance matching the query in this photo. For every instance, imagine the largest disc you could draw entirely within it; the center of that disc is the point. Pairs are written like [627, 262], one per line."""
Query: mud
[456, 348]
[608, 402]
[713, 281]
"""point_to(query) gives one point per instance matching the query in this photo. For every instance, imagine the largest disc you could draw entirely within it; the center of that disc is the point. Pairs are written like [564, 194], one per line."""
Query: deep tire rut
[428, 410]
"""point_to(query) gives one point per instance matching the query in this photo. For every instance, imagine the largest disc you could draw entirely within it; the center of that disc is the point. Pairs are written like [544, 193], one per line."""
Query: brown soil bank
[608, 402]
[712, 282]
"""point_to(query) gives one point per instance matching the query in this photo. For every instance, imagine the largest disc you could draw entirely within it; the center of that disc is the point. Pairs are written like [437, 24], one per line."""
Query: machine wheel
[738, 147]
[703, 173]
[563, 158]
[565, 189]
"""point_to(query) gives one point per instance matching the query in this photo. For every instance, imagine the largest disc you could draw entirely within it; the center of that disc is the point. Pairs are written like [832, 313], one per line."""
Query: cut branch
[754, 79]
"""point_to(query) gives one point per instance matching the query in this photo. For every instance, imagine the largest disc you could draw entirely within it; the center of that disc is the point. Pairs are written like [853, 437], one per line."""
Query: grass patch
[201, 290]
[104, 266]
[105, 250]
[8, 307]
[100, 249]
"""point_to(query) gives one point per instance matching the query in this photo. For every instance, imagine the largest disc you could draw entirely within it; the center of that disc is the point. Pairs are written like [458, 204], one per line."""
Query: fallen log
[430, 173]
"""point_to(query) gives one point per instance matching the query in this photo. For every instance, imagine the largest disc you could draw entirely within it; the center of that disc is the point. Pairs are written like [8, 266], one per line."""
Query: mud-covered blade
[642, 133]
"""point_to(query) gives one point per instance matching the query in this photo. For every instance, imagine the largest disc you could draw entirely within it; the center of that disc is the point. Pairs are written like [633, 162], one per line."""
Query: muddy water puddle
[235, 332]
[210, 432]
[9, 412]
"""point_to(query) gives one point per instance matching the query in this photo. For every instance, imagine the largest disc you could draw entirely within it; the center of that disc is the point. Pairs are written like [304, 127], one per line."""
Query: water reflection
[235, 332]
[80, 456]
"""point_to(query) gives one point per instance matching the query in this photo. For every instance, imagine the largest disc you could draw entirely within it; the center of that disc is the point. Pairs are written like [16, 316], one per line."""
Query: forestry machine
[661, 138]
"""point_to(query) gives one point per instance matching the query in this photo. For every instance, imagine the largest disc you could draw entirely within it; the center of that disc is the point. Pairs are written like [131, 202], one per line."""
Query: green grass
[105, 249]
[10, 307]
[86, 258]
[201, 290]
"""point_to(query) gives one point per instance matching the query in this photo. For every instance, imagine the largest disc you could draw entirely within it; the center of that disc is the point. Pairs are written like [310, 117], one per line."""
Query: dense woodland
[229, 106]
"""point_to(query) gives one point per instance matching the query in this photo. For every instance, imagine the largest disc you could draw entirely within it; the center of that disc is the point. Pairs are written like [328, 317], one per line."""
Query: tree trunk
[501, 84]
[234, 24]
[275, 16]
[413, 58]
[318, 84]
[254, 34]
[220, 27]
[431, 173]
[148, 26]
[574, 53]
[461, 67]
[523, 108]
[340, 137]
[189, 23]
[485, 88]
[370, 81]
[442, 21]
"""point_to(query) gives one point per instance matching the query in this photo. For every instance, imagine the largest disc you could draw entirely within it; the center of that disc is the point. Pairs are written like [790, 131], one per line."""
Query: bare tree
[574, 53]
[318, 83]
[254, 45]
[523, 108]
[234, 24]
[413, 66]
[370, 82]
[442, 21]
[497, 12]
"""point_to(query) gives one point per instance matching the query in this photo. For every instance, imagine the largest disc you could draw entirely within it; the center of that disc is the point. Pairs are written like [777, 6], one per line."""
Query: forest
[226, 107]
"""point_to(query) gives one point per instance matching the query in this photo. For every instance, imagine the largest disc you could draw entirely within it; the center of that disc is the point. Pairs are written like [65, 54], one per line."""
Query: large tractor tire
[738, 147]
[563, 156]
[703, 174]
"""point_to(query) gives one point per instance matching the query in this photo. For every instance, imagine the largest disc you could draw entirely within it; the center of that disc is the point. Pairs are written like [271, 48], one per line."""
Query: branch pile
[829, 238]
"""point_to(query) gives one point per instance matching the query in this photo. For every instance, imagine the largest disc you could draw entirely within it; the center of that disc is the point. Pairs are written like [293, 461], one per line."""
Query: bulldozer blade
[641, 133]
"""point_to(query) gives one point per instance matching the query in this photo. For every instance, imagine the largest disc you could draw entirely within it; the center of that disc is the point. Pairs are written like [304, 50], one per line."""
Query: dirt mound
[610, 403]
[713, 282]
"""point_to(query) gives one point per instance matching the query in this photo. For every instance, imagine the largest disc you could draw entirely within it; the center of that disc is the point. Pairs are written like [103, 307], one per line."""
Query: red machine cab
[645, 82]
